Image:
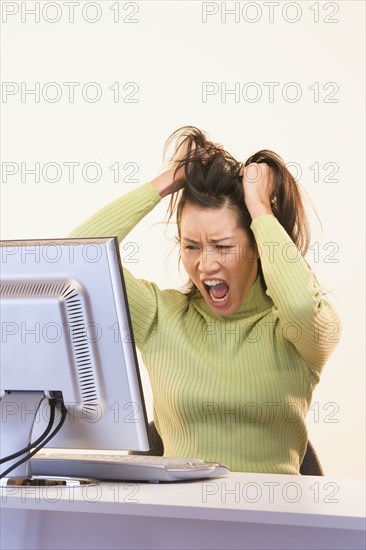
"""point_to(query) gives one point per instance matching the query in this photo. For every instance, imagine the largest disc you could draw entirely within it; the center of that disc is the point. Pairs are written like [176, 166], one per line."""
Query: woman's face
[213, 249]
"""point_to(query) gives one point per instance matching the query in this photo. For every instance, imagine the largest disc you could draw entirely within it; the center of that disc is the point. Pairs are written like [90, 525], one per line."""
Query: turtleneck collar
[256, 302]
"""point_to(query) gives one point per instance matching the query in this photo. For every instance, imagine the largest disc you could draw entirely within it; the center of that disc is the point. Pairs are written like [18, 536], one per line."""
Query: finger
[252, 172]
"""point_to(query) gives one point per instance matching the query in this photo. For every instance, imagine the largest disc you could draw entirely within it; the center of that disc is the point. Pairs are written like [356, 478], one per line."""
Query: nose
[209, 260]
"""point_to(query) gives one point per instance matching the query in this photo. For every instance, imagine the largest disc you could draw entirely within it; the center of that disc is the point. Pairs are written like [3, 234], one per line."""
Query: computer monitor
[66, 332]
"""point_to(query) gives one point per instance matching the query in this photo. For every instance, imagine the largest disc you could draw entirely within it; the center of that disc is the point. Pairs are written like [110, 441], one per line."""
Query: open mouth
[218, 295]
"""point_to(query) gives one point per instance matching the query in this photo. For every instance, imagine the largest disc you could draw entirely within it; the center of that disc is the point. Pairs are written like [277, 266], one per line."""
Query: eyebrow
[211, 241]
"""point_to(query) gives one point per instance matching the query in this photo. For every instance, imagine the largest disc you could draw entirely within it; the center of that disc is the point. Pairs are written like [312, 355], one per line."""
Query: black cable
[58, 428]
[52, 403]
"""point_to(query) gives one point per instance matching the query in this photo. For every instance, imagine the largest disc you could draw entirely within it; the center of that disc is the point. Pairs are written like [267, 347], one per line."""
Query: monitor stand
[18, 411]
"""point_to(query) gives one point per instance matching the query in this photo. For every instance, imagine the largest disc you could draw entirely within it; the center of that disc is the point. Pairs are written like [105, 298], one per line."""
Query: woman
[234, 360]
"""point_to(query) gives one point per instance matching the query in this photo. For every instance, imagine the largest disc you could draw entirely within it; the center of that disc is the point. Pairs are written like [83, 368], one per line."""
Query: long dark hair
[212, 179]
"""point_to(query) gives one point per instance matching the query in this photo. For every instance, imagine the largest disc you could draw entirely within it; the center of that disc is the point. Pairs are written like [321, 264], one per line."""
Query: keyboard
[118, 467]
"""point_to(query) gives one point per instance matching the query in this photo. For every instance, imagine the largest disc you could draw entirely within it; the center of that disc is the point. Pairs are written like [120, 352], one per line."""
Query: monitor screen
[66, 331]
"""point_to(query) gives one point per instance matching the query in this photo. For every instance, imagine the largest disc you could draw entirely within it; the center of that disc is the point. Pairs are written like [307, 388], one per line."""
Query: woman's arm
[118, 218]
[307, 319]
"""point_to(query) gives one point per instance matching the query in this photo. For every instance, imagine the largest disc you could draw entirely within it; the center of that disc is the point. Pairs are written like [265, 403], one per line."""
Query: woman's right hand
[167, 182]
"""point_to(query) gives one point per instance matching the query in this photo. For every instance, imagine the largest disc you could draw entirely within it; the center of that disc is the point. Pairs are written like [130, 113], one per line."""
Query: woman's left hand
[258, 186]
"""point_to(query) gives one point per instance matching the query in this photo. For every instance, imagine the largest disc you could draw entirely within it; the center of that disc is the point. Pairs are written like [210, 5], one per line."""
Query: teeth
[217, 299]
[212, 282]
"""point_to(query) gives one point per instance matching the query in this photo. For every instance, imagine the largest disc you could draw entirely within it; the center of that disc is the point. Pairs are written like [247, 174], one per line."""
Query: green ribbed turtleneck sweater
[230, 389]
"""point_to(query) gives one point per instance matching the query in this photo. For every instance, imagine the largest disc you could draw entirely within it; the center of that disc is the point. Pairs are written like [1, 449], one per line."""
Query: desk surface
[328, 502]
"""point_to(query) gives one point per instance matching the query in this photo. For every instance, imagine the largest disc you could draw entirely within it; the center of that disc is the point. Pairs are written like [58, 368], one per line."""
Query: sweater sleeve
[306, 318]
[118, 218]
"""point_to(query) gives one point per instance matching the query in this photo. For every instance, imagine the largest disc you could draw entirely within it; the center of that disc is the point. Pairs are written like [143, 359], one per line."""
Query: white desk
[242, 511]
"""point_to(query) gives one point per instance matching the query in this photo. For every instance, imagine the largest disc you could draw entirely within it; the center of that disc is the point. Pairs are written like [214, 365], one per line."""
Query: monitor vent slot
[17, 289]
[81, 348]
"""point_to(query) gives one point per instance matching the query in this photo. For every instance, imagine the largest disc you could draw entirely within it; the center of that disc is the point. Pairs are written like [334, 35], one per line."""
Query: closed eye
[192, 247]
